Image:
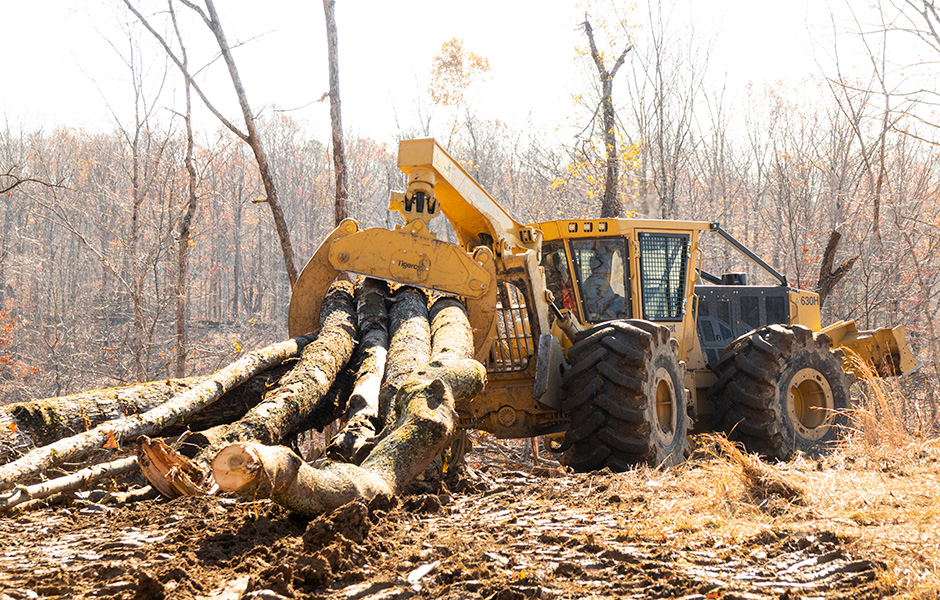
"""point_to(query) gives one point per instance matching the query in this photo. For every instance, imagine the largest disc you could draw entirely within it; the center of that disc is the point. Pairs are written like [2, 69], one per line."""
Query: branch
[620, 59]
[18, 181]
[169, 51]
[598, 61]
[829, 278]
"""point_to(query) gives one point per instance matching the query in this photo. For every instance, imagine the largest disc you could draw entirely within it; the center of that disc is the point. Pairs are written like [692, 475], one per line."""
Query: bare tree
[611, 206]
[890, 106]
[336, 119]
[250, 136]
[186, 223]
[664, 87]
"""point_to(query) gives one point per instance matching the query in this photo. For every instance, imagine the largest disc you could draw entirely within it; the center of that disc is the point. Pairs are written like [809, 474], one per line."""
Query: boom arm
[475, 216]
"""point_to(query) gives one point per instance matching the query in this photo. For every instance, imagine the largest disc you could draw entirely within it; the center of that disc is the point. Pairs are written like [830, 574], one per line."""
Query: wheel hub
[810, 403]
[665, 409]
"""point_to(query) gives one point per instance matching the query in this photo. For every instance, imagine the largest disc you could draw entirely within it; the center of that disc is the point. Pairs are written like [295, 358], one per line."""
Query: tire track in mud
[515, 536]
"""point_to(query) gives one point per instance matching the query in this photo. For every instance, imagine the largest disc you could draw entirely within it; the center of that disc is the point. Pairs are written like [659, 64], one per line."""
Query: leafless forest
[92, 221]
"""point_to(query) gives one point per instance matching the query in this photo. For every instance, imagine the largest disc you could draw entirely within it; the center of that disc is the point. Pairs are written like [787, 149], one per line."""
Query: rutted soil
[690, 533]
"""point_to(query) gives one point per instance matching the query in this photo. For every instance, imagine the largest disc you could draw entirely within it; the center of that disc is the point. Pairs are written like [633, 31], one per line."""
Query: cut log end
[236, 467]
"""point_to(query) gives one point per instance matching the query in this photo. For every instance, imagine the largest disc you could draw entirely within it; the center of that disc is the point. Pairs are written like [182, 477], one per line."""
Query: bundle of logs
[391, 365]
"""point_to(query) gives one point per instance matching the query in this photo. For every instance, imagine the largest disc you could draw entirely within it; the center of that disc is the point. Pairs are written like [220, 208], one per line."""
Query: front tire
[782, 390]
[625, 398]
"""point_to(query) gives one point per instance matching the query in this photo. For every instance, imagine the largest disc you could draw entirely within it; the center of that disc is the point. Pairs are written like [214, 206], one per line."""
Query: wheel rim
[810, 403]
[665, 405]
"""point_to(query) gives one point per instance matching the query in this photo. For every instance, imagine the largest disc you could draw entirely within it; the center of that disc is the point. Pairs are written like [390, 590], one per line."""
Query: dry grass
[878, 492]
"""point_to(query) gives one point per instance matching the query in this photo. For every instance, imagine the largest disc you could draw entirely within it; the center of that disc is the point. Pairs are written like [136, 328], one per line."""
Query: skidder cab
[607, 333]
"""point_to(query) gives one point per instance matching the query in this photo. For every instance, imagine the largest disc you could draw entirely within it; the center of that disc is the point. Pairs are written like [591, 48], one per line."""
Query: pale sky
[58, 66]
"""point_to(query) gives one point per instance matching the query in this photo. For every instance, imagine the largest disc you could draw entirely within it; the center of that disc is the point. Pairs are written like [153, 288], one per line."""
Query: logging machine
[607, 334]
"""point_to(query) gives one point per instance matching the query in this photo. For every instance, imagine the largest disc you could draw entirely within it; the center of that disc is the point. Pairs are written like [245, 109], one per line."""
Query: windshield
[602, 267]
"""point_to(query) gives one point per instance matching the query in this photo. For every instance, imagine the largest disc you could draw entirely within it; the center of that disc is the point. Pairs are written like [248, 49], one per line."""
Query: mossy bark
[356, 438]
[302, 399]
[296, 402]
[35, 423]
[409, 349]
[178, 408]
[426, 426]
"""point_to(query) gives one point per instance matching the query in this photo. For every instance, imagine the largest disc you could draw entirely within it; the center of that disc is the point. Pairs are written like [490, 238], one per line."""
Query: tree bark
[336, 119]
[829, 278]
[178, 408]
[34, 423]
[295, 403]
[409, 348]
[426, 426]
[356, 439]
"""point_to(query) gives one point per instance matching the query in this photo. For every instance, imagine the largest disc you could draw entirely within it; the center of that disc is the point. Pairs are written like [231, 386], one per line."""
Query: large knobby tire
[782, 390]
[625, 398]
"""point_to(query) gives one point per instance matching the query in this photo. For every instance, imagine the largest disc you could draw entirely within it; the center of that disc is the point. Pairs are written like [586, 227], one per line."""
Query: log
[27, 425]
[409, 349]
[356, 439]
[22, 494]
[295, 403]
[426, 425]
[181, 406]
[35, 423]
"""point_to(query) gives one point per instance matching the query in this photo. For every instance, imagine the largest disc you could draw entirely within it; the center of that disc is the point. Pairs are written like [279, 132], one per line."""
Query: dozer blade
[885, 349]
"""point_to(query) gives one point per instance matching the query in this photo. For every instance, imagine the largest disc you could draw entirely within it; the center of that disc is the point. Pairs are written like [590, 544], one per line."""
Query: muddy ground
[860, 526]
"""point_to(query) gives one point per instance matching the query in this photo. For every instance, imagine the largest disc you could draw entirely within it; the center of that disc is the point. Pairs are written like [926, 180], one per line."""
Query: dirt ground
[853, 525]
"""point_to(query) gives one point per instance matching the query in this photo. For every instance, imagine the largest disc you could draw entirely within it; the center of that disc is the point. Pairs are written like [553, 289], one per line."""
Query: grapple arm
[405, 256]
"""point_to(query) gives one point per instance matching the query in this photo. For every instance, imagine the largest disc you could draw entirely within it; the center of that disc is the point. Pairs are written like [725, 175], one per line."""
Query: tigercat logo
[410, 266]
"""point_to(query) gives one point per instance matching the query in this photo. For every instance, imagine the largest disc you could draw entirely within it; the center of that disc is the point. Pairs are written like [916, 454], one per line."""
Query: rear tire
[625, 398]
[782, 390]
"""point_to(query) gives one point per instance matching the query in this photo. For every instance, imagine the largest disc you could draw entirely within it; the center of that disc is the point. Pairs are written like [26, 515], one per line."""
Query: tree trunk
[34, 423]
[336, 119]
[426, 426]
[829, 278]
[409, 348]
[356, 439]
[254, 140]
[294, 404]
[251, 136]
[611, 206]
[68, 483]
[186, 223]
[178, 408]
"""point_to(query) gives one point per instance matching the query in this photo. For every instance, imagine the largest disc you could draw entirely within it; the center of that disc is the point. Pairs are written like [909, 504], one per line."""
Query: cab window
[663, 263]
[602, 267]
[558, 274]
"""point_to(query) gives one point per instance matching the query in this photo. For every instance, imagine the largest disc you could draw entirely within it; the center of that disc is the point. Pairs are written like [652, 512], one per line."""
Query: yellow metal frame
[472, 212]
[568, 229]
[493, 247]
